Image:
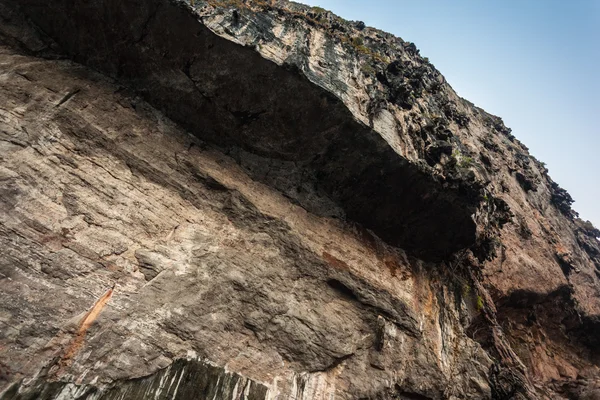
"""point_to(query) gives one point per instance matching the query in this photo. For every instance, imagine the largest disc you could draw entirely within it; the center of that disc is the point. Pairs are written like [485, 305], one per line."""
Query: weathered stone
[221, 201]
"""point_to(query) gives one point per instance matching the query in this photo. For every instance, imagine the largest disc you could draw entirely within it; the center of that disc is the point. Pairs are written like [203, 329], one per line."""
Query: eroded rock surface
[233, 199]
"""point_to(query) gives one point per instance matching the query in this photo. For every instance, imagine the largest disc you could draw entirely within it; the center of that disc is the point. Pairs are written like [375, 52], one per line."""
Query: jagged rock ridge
[338, 223]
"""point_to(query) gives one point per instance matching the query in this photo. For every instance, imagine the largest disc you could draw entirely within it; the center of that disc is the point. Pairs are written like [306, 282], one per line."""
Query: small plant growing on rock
[357, 41]
[367, 69]
[480, 303]
[226, 3]
[466, 290]
[461, 160]
[359, 44]
[465, 162]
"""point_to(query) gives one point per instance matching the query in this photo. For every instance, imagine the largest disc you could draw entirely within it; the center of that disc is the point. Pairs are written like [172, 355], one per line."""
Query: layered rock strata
[231, 199]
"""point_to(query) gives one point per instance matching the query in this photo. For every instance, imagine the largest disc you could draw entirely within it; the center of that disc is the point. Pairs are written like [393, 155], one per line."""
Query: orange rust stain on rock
[560, 249]
[335, 262]
[396, 267]
[379, 250]
[392, 264]
[91, 315]
[428, 304]
[85, 324]
[424, 297]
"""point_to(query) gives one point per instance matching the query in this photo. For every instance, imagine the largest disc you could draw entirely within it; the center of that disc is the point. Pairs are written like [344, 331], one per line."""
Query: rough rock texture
[232, 199]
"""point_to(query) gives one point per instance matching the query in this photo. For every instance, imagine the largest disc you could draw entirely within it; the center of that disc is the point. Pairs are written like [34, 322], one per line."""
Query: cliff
[260, 200]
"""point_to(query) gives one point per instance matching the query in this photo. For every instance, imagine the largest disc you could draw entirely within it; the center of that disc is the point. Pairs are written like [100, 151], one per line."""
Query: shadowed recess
[230, 96]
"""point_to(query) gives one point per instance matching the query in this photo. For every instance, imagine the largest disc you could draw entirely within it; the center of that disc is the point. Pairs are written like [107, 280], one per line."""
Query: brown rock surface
[251, 200]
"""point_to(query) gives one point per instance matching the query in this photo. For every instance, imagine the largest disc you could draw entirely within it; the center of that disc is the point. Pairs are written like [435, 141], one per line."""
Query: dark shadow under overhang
[229, 95]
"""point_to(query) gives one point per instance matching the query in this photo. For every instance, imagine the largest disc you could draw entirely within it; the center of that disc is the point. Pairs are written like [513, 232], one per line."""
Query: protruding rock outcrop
[287, 205]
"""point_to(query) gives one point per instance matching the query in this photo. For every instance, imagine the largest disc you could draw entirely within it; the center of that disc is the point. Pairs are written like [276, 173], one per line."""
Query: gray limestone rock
[260, 200]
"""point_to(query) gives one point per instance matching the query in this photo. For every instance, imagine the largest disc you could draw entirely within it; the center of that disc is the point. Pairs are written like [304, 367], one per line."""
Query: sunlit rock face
[253, 200]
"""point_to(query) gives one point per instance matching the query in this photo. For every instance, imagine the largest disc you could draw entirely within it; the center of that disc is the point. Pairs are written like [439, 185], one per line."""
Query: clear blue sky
[535, 63]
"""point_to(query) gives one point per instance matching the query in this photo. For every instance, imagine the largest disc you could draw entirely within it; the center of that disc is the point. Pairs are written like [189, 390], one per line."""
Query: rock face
[252, 200]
